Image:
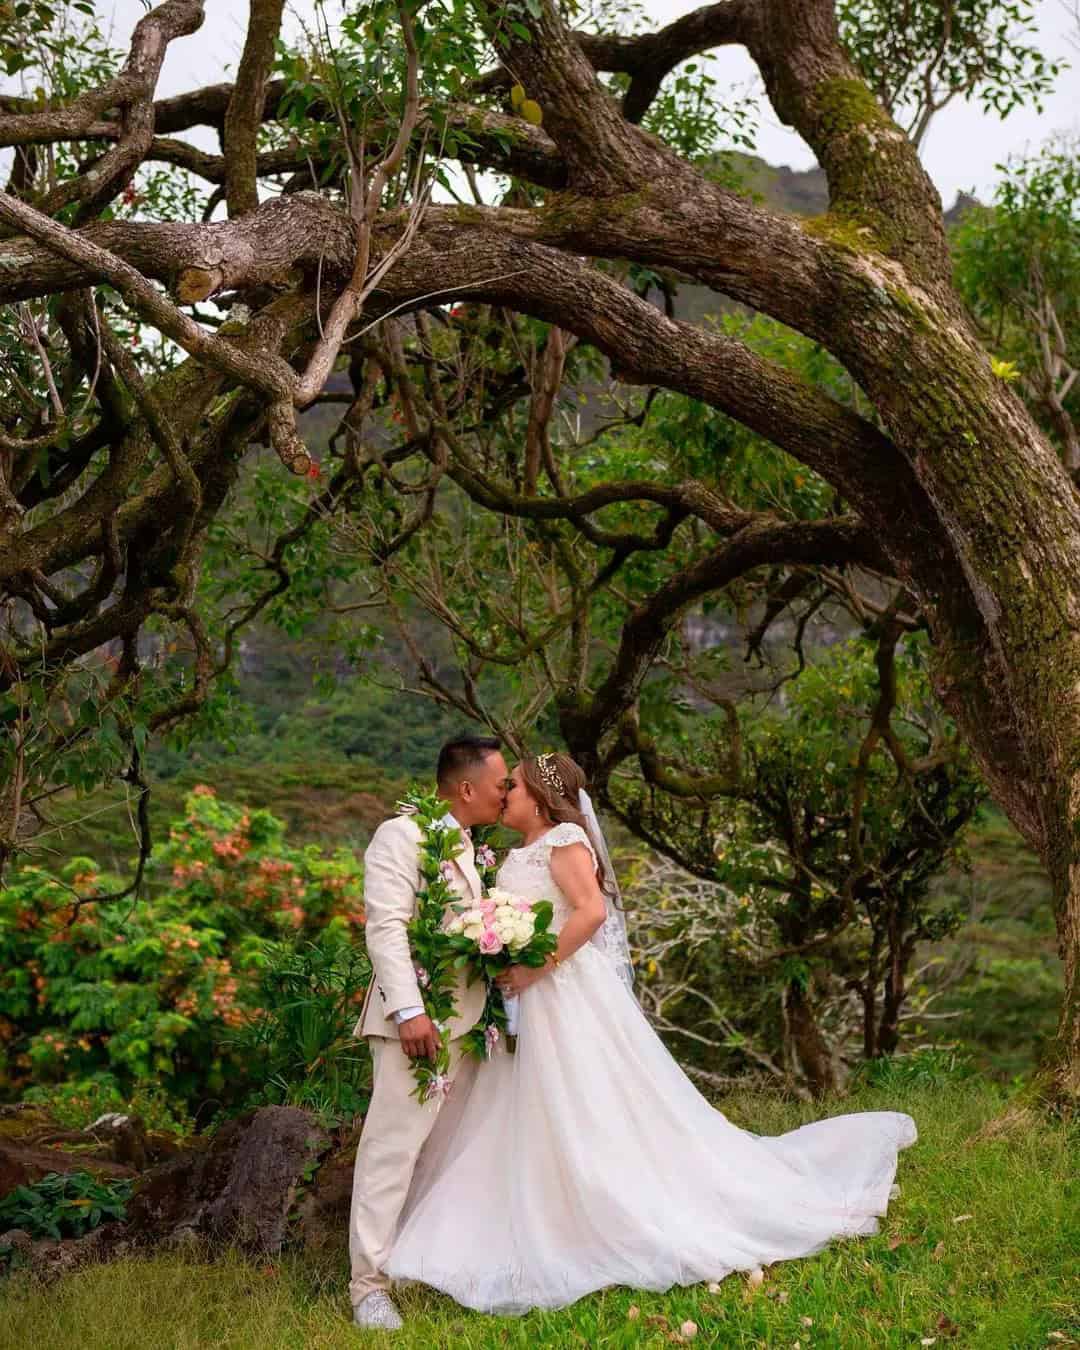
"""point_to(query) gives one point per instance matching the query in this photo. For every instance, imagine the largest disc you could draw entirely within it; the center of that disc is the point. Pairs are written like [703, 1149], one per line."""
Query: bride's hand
[518, 978]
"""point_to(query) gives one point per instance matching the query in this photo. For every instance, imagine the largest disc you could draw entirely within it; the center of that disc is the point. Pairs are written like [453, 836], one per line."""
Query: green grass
[1008, 1276]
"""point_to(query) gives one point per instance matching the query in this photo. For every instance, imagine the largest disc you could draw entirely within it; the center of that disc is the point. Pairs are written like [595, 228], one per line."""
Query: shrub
[144, 993]
[76, 1103]
[64, 1206]
[302, 1036]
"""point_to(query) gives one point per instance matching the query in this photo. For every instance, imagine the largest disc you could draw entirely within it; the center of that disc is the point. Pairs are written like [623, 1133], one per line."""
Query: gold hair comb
[549, 773]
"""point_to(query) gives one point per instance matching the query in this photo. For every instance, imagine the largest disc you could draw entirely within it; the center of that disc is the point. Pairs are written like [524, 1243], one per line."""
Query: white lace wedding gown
[589, 1159]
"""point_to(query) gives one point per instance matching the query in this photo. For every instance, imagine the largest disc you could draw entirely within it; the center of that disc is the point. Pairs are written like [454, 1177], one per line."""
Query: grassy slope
[329, 800]
[1007, 1276]
[330, 767]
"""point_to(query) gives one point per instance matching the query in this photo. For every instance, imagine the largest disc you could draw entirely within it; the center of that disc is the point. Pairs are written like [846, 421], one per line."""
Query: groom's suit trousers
[395, 1130]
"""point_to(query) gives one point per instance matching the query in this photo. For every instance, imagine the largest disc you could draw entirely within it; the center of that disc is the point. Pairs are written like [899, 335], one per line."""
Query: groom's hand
[419, 1038]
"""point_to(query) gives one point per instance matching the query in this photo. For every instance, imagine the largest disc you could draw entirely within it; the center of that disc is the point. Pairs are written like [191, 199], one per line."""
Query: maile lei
[436, 955]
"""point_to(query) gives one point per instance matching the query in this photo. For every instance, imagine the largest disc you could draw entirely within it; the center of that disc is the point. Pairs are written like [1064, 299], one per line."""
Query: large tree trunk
[1063, 1076]
[1007, 641]
[1004, 606]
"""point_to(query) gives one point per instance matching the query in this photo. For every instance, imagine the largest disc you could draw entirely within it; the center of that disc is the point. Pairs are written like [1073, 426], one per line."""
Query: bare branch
[245, 111]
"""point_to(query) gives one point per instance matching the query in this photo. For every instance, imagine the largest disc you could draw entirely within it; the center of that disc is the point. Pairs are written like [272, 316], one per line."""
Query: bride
[587, 1158]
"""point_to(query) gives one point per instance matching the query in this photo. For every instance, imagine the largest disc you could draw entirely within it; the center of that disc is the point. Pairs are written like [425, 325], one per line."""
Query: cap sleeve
[569, 833]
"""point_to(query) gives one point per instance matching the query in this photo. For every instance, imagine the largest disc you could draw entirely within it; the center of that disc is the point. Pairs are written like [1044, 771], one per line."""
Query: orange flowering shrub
[153, 992]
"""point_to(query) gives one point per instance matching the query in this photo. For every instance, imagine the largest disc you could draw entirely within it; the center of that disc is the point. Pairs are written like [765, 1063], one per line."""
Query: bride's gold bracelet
[555, 959]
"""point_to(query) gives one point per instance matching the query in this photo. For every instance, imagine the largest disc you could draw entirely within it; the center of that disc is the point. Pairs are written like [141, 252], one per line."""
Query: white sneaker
[377, 1311]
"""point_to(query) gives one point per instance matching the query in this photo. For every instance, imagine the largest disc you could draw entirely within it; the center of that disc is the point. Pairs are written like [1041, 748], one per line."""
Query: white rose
[520, 934]
[456, 924]
[472, 931]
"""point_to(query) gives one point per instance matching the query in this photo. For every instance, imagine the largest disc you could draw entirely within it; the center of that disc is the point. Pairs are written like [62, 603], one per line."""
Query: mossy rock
[24, 1122]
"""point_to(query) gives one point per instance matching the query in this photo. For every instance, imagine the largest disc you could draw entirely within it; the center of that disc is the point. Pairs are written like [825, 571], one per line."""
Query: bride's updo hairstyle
[554, 780]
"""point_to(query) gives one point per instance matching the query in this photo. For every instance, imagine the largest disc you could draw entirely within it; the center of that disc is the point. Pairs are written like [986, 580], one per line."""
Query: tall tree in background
[114, 470]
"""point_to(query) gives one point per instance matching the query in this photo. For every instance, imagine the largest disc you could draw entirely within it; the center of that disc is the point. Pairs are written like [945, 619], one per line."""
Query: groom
[471, 776]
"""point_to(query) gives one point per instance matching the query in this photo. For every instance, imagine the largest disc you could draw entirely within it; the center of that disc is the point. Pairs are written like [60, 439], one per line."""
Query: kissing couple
[587, 1158]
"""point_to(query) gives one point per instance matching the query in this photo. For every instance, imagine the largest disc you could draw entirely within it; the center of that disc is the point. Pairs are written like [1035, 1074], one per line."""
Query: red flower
[313, 470]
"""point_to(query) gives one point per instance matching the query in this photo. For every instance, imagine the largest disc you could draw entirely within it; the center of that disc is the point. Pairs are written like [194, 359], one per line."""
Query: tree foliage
[919, 55]
[1017, 265]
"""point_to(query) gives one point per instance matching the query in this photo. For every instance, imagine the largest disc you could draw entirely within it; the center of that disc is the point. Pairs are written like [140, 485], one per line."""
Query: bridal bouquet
[495, 933]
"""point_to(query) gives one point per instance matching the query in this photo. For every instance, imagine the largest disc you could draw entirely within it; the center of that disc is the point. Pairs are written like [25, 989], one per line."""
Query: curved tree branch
[133, 93]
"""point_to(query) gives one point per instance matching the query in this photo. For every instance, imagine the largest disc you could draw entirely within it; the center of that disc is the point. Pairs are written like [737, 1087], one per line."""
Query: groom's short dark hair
[460, 755]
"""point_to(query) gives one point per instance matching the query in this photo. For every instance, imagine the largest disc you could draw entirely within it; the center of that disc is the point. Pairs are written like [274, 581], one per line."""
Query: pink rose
[523, 906]
[488, 908]
[489, 942]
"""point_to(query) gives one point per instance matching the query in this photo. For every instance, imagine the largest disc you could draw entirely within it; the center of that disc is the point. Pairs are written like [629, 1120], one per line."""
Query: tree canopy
[843, 438]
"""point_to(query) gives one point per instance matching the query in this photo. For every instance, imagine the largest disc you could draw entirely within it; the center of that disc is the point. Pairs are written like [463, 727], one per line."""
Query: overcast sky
[961, 151]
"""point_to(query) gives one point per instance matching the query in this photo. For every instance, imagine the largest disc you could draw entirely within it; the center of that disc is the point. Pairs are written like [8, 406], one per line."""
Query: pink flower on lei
[439, 1088]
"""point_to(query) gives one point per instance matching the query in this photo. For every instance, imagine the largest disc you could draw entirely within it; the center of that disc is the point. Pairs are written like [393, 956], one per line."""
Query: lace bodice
[527, 871]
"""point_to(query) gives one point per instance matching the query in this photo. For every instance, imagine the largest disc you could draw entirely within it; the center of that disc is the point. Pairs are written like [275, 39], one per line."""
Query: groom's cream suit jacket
[391, 880]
